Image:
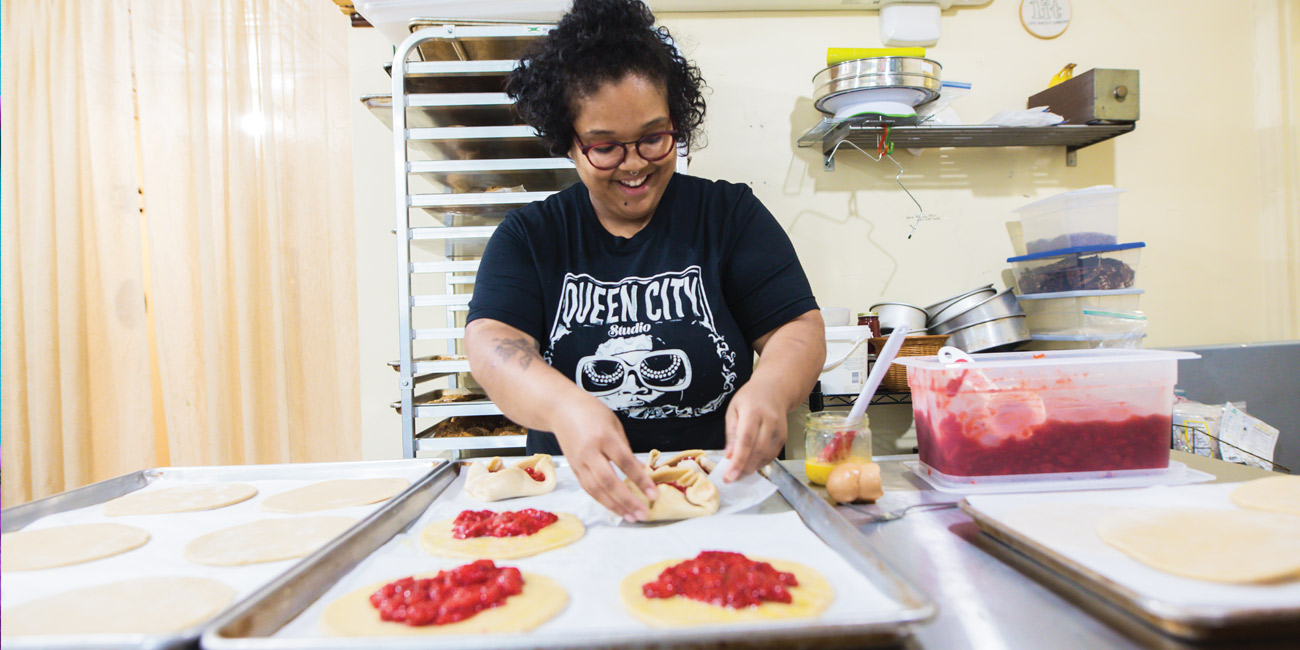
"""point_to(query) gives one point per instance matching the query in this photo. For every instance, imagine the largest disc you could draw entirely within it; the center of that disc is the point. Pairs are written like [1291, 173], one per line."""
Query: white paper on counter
[1071, 533]
[164, 553]
[568, 496]
[592, 568]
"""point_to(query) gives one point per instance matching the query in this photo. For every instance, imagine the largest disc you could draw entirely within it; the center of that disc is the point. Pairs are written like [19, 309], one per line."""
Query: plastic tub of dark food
[1084, 268]
[1088, 217]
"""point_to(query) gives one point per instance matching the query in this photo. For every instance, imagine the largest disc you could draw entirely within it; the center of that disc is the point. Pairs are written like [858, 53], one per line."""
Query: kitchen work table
[985, 598]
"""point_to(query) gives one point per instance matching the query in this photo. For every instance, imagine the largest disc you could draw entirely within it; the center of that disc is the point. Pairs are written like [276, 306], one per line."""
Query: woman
[622, 313]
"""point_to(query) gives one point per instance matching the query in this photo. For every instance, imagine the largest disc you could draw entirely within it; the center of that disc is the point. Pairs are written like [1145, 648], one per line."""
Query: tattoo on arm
[508, 349]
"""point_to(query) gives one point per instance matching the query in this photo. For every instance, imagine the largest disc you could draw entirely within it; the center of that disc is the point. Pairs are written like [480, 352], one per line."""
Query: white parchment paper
[164, 553]
[592, 568]
[1072, 534]
[568, 496]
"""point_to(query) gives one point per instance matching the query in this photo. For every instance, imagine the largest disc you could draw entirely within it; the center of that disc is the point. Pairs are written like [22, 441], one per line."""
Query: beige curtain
[227, 205]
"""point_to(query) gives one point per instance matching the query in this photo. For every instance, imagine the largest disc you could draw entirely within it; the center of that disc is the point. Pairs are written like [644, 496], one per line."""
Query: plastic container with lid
[847, 351]
[1085, 268]
[1062, 313]
[831, 438]
[1040, 342]
[1047, 412]
[1088, 217]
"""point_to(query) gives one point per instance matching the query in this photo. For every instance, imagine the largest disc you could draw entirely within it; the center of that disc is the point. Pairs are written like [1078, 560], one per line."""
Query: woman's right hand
[592, 438]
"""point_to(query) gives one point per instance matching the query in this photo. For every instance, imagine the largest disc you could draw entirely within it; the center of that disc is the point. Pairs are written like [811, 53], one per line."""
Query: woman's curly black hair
[601, 41]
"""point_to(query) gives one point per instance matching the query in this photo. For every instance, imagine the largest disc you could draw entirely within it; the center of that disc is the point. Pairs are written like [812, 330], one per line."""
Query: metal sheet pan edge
[278, 602]
[235, 630]
[20, 516]
[846, 540]
[1195, 624]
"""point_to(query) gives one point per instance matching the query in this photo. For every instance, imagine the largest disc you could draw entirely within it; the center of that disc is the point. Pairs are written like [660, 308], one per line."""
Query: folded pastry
[493, 481]
[683, 492]
[698, 456]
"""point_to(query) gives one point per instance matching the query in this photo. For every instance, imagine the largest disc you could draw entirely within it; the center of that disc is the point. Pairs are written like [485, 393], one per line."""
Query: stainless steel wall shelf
[829, 135]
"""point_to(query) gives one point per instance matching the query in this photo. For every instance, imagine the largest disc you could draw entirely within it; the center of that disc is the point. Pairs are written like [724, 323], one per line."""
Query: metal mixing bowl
[893, 314]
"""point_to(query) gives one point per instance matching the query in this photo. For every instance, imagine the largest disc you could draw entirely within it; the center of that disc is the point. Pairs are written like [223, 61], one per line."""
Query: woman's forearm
[505, 361]
[791, 358]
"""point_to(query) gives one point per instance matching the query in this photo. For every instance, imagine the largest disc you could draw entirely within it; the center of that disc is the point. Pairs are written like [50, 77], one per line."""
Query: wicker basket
[913, 346]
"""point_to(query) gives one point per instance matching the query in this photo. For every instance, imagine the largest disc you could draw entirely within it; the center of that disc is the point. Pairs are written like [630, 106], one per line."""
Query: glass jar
[830, 438]
[870, 319]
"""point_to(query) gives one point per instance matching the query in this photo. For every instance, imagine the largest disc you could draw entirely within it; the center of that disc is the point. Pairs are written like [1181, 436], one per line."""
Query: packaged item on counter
[1196, 426]
[1245, 439]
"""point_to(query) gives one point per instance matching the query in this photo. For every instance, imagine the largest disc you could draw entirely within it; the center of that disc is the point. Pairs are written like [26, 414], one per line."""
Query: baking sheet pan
[480, 77]
[467, 45]
[474, 112]
[1189, 609]
[163, 554]
[288, 617]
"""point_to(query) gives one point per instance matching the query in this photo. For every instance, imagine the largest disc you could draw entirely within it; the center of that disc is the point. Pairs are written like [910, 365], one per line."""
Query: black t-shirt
[658, 326]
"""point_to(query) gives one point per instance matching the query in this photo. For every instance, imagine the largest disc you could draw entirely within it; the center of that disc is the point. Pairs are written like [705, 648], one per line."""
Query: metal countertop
[984, 602]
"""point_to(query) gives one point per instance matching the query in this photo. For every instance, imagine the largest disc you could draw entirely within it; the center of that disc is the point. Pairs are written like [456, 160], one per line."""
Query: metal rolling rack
[461, 161]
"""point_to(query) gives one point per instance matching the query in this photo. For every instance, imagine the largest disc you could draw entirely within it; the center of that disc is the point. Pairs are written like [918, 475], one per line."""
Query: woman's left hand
[789, 360]
[756, 429]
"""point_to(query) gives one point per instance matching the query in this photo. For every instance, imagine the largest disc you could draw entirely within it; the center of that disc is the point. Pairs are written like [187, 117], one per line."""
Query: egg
[851, 482]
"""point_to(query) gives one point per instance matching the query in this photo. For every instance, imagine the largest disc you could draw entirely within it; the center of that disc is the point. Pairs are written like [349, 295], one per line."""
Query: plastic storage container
[847, 350]
[1044, 412]
[1088, 217]
[1085, 268]
[1039, 342]
[1062, 313]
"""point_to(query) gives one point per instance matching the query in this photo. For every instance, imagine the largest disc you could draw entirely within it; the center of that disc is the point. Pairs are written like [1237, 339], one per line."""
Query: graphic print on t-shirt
[646, 347]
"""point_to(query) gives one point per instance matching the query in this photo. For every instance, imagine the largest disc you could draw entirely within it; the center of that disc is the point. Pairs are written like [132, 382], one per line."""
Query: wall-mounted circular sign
[1045, 18]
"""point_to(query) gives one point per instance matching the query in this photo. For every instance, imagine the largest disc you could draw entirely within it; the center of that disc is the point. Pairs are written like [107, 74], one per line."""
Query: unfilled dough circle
[267, 540]
[1272, 494]
[810, 598]
[156, 605]
[337, 493]
[44, 548]
[182, 498]
[1234, 546]
[541, 599]
[436, 539]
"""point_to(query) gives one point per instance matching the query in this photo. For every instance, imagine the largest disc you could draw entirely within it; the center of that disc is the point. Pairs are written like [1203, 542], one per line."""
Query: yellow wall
[1211, 170]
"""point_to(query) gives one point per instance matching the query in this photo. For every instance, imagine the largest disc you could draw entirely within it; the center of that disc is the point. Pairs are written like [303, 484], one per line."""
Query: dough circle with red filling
[437, 539]
[810, 597]
[540, 601]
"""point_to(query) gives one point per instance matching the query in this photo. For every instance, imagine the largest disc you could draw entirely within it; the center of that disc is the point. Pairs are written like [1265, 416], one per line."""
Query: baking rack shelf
[829, 135]
[819, 402]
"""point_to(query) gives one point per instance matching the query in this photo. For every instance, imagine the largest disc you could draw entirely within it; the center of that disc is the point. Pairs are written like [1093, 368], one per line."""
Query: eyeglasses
[609, 155]
[661, 370]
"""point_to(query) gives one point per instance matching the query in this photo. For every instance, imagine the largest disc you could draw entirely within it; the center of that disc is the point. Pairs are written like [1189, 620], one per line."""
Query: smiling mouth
[635, 182]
